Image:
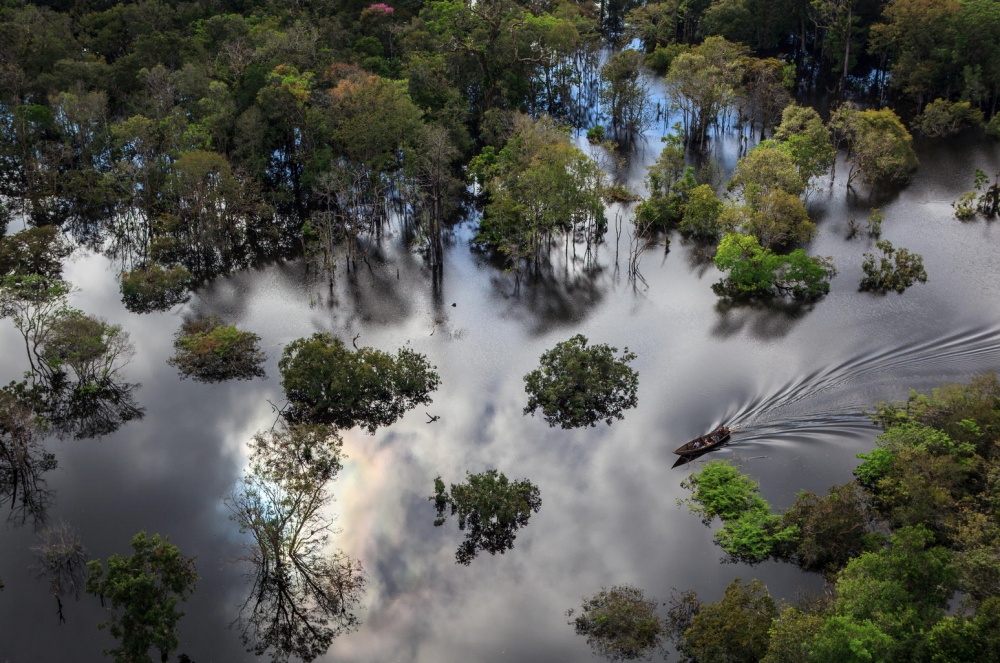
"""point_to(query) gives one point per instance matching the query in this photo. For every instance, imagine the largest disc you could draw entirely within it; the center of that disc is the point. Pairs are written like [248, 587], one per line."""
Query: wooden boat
[705, 442]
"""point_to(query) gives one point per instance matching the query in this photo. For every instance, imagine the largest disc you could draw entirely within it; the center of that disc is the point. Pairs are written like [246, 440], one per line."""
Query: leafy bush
[896, 269]
[208, 351]
[944, 118]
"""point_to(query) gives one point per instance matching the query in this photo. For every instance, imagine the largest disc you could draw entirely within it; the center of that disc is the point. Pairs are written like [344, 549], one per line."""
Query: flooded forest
[352, 331]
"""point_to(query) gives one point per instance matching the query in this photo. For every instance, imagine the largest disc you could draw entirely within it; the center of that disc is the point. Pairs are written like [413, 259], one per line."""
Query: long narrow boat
[704, 443]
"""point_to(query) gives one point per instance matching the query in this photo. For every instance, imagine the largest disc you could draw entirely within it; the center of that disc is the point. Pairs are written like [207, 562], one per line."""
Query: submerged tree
[625, 95]
[62, 560]
[540, 187]
[303, 596]
[490, 510]
[576, 386]
[735, 629]
[327, 383]
[896, 269]
[208, 351]
[143, 589]
[755, 271]
[880, 149]
[620, 624]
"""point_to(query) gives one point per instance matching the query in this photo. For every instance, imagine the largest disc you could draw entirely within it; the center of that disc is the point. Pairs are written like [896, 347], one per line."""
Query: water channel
[794, 382]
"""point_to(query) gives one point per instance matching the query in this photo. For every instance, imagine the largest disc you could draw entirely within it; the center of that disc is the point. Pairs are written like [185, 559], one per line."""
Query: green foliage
[750, 532]
[209, 351]
[993, 126]
[577, 386]
[754, 271]
[735, 629]
[807, 139]
[944, 118]
[620, 624]
[896, 591]
[625, 95]
[791, 635]
[596, 134]
[896, 269]
[669, 181]
[833, 529]
[701, 214]
[327, 383]
[705, 81]
[490, 510]
[143, 590]
[155, 288]
[89, 347]
[880, 147]
[768, 184]
[538, 185]
[35, 251]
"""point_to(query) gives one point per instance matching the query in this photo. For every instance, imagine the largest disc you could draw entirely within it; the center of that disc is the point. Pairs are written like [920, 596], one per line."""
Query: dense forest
[187, 141]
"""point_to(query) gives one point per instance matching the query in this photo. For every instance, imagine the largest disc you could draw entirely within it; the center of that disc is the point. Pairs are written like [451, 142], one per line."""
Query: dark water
[794, 382]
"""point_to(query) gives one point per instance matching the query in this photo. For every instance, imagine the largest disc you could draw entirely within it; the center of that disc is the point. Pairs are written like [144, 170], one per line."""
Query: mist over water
[793, 382]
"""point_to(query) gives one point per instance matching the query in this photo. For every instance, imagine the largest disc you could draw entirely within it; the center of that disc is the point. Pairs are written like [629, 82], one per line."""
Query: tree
[944, 118]
[891, 595]
[155, 287]
[755, 271]
[620, 624]
[702, 212]
[833, 529]
[807, 139]
[143, 589]
[302, 595]
[327, 383]
[705, 81]
[490, 510]
[209, 351]
[577, 386]
[670, 181]
[750, 532]
[736, 629]
[625, 95]
[34, 251]
[896, 269]
[769, 185]
[880, 148]
[539, 186]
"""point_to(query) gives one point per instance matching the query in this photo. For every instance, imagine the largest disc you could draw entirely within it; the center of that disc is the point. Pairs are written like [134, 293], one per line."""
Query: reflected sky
[794, 383]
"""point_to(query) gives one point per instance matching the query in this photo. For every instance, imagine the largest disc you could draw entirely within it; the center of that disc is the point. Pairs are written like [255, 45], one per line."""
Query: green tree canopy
[490, 510]
[327, 383]
[577, 386]
[620, 624]
[210, 351]
[143, 590]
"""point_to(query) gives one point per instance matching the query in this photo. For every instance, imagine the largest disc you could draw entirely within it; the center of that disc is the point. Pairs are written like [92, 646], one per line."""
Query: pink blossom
[381, 8]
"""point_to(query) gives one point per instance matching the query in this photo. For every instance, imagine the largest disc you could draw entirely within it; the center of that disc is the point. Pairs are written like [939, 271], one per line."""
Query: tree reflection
[62, 560]
[490, 510]
[87, 409]
[23, 462]
[76, 359]
[302, 596]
